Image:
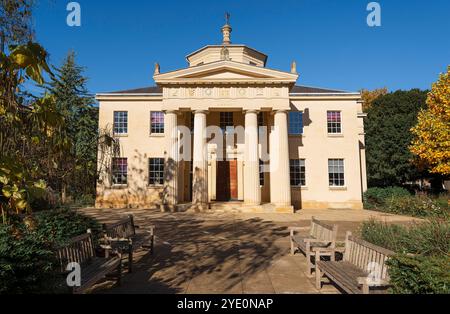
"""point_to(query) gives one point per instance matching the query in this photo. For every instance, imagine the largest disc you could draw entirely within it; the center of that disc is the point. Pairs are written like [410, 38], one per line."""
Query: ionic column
[280, 189]
[200, 163]
[171, 162]
[252, 189]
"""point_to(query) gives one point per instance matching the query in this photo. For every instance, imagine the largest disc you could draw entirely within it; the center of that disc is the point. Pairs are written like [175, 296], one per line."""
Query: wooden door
[233, 180]
[226, 181]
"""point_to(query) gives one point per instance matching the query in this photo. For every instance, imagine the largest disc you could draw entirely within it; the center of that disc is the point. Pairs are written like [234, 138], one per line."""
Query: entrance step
[238, 207]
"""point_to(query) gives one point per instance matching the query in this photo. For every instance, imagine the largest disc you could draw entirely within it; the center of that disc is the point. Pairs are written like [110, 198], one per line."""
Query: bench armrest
[292, 230]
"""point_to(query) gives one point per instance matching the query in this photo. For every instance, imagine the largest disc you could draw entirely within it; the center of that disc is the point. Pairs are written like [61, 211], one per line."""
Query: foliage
[27, 250]
[397, 200]
[431, 141]
[26, 261]
[419, 274]
[61, 225]
[28, 129]
[377, 197]
[78, 165]
[421, 264]
[427, 238]
[388, 137]
[368, 96]
[15, 22]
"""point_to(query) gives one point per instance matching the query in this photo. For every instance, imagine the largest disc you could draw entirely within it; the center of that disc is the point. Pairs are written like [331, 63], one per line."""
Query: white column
[200, 163]
[280, 186]
[252, 190]
[171, 162]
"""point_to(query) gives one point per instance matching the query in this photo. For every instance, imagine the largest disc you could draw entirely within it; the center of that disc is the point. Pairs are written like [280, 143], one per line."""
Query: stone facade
[229, 133]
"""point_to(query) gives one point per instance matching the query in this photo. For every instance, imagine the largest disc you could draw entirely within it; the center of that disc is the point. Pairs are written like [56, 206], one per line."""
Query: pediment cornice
[225, 72]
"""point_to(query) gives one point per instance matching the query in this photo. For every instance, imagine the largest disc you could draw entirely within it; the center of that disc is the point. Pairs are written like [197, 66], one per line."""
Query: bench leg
[365, 289]
[130, 259]
[318, 273]
[119, 273]
[310, 264]
[292, 247]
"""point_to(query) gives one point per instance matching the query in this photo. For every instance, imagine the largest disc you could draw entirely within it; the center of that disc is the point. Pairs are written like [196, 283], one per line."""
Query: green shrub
[27, 261]
[427, 238]
[376, 197]
[61, 225]
[398, 200]
[419, 274]
[417, 206]
[421, 264]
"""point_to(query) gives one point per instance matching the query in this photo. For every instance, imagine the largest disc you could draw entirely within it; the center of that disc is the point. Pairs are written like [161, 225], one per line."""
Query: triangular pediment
[225, 71]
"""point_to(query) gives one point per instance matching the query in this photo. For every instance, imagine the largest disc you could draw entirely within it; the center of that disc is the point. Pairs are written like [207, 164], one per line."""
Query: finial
[157, 69]
[226, 30]
[294, 67]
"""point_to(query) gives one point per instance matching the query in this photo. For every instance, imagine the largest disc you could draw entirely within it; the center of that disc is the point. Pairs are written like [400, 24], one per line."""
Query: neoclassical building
[227, 131]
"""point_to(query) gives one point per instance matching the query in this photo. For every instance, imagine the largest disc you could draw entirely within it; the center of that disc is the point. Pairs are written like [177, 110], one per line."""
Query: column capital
[251, 111]
[170, 111]
[275, 111]
[200, 111]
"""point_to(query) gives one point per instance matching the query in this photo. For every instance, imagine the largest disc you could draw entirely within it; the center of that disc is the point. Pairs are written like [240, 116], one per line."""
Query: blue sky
[119, 41]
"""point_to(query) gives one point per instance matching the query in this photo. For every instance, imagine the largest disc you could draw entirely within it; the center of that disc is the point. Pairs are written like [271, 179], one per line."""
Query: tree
[74, 102]
[388, 137]
[15, 22]
[28, 124]
[431, 142]
[369, 96]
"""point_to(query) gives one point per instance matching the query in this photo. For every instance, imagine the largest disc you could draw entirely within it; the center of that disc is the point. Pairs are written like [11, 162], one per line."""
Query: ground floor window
[336, 172]
[156, 171]
[297, 170]
[261, 172]
[120, 171]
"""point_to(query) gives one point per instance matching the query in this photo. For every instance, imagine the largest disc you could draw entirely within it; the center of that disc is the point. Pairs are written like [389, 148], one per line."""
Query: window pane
[119, 171]
[226, 121]
[295, 123]
[297, 170]
[120, 122]
[336, 172]
[334, 123]
[156, 122]
[156, 171]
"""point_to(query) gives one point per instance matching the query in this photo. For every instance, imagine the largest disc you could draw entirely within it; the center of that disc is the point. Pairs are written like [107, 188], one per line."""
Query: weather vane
[227, 18]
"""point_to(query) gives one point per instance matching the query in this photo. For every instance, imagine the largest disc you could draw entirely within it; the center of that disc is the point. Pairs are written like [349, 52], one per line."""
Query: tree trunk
[63, 193]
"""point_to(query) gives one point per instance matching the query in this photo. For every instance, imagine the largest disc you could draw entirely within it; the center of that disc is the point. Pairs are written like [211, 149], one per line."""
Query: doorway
[226, 181]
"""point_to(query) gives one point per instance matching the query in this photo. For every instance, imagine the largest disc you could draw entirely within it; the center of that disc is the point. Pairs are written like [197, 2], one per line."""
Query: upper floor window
[119, 171]
[261, 119]
[336, 172]
[120, 122]
[295, 123]
[156, 122]
[297, 169]
[334, 122]
[156, 171]
[226, 121]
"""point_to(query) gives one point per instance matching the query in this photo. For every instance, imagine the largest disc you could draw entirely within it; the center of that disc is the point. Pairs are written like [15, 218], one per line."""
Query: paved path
[226, 253]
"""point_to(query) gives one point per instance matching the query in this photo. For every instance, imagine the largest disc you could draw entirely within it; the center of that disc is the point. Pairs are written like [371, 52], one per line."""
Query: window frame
[262, 174]
[334, 128]
[294, 124]
[301, 173]
[161, 130]
[225, 122]
[339, 176]
[120, 123]
[120, 172]
[160, 182]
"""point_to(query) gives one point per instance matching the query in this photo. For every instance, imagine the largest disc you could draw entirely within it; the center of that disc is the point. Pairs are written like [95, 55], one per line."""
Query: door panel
[226, 181]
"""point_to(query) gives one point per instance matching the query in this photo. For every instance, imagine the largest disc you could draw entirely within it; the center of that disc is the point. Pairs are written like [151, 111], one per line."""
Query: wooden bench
[363, 267]
[81, 250]
[321, 240]
[122, 235]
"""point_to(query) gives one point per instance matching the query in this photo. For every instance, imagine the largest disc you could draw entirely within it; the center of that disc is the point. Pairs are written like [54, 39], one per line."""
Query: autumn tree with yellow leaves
[431, 143]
